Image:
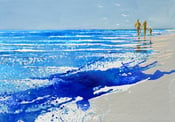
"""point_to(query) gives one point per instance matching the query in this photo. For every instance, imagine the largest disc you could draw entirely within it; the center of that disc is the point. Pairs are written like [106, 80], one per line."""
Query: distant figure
[138, 25]
[150, 31]
[145, 27]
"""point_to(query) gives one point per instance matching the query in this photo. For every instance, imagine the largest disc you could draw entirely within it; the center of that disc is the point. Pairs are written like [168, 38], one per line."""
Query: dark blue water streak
[41, 55]
[79, 84]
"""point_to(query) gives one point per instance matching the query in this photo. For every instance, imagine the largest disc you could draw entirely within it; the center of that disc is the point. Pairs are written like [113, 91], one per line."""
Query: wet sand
[148, 101]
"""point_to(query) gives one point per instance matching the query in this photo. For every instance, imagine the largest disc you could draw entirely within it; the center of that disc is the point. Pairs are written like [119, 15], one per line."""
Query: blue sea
[46, 71]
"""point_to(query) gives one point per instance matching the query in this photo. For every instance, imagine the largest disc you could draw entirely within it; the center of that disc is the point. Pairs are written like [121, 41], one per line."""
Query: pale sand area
[148, 101]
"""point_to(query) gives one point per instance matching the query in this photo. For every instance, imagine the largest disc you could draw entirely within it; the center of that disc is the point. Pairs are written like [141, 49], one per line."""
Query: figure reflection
[143, 46]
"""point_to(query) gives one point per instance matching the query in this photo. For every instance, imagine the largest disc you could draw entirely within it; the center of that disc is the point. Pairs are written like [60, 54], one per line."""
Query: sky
[85, 14]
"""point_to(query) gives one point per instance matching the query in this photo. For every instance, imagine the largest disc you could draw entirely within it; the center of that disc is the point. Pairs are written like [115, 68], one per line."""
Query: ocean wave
[61, 71]
[72, 85]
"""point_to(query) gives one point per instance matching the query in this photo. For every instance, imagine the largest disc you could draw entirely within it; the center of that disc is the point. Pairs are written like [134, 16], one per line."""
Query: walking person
[150, 31]
[138, 25]
[145, 27]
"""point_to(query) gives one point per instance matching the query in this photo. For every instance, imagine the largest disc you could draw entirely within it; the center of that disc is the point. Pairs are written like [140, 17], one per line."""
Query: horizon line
[82, 29]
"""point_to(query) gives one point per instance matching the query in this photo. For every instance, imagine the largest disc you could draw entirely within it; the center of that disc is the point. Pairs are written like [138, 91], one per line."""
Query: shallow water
[58, 72]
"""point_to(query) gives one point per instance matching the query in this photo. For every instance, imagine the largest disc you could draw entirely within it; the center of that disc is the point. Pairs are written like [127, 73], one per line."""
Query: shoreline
[147, 101]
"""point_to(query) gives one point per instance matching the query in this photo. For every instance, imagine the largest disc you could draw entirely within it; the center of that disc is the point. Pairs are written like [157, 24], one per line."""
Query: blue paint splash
[27, 105]
[67, 48]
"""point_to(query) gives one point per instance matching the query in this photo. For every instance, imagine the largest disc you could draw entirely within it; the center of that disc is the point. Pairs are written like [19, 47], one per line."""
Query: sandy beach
[148, 101]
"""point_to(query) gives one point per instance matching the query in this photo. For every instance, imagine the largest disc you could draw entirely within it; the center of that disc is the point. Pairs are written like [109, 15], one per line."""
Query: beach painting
[57, 70]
